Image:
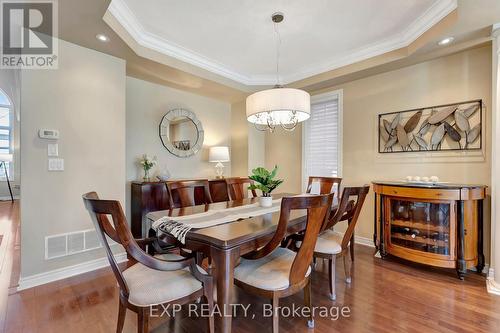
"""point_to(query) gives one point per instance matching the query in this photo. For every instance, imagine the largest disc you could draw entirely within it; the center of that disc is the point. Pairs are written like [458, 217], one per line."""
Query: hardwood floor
[9, 253]
[385, 296]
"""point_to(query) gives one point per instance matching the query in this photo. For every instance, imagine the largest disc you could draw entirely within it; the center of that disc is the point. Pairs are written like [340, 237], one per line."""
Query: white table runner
[179, 226]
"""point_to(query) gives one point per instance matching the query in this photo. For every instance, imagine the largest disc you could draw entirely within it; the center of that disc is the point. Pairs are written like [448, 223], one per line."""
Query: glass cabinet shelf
[421, 226]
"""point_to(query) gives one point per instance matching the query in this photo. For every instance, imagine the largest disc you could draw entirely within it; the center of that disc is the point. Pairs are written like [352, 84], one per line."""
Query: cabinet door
[424, 228]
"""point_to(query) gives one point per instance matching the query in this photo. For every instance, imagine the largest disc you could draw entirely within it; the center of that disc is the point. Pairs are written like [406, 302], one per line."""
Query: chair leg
[209, 297]
[308, 303]
[122, 310]
[347, 268]
[210, 265]
[143, 321]
[351, 247]
[199, 258]
[331, 268]
[276, 326]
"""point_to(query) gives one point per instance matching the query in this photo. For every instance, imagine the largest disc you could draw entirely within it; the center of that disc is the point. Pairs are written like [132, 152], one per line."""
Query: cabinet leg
[375, 220]
[480, 254]
[461, 269]
[480, 264]
[461, 266]
[383, 252]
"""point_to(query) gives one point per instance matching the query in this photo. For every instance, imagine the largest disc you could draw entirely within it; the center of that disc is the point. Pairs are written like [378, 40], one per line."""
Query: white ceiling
[235, 39]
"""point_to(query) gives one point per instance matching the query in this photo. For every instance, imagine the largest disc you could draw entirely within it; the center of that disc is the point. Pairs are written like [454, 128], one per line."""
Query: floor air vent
[61, 245]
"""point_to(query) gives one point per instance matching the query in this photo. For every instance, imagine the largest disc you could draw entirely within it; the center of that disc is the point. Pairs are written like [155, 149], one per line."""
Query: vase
[146, 177]
[265, 201]
[164, 175]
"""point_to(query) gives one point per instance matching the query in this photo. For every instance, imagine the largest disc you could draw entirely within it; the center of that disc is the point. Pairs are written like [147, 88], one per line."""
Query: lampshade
[5, 157]
[218, 154]
[284, 105]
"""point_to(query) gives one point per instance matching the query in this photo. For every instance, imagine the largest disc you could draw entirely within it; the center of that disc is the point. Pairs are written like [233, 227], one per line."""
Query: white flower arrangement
[148, 163]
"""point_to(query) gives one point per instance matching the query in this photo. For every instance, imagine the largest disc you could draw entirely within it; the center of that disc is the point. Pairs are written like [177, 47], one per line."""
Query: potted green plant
[266, 183]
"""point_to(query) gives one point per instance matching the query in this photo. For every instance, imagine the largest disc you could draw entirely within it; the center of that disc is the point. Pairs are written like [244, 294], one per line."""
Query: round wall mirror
[181, 132]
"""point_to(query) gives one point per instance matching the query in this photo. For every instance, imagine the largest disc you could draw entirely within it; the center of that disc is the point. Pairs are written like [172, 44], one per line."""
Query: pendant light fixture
[279, 106]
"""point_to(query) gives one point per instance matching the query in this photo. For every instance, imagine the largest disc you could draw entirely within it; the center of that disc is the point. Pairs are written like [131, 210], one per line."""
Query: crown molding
[126, 18]
[419, 26]
[495, 30]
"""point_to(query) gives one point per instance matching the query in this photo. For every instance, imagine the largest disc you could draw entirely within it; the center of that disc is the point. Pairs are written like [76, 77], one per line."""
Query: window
[322, 137]
[5, 130]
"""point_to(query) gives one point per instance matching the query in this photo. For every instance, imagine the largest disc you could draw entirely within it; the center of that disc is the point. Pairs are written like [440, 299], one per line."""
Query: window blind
[321, 139]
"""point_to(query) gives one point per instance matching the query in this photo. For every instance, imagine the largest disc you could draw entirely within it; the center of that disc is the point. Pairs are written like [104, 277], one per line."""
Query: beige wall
[284, 149]
[146, 104]
[460, 77]
[248, 143]
[239, 139]
[256, 147]
[85, 100]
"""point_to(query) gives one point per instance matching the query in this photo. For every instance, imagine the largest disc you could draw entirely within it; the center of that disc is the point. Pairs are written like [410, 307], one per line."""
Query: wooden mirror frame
[163, 130]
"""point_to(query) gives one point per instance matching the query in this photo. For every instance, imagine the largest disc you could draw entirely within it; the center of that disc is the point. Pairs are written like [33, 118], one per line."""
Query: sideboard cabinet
[153, 196]
[433, 224]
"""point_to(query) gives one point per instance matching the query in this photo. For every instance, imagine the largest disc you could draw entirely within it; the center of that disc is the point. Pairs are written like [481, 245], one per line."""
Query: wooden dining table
[225, 243]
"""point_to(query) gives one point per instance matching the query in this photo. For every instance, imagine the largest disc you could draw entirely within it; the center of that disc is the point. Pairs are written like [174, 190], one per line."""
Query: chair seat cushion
[149, 286]
[329, 243]
[270, 272]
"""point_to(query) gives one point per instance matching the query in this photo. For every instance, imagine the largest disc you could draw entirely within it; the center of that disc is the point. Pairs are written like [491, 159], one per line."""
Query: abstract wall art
[455, 126]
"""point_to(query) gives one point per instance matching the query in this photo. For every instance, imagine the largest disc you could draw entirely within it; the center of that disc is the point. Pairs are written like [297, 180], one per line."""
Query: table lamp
[5, 158]
[218, 155]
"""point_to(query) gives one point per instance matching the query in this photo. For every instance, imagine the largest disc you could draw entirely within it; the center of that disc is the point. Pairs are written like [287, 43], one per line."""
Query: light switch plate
[56, 164]
[53, 149]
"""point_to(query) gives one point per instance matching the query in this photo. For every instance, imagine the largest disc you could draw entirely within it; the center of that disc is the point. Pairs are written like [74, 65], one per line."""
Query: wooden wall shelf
[434, 224]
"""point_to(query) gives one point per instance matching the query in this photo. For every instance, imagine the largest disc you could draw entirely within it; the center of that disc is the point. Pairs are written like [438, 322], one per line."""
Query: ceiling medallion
[279, 106]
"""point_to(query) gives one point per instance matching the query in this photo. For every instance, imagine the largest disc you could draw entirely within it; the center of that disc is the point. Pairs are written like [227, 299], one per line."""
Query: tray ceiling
[236, 40]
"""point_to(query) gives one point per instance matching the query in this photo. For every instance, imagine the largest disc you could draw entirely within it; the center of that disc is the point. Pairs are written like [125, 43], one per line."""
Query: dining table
[225, 243]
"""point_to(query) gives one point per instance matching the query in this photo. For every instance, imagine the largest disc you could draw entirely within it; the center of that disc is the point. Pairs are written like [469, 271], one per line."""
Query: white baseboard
[359, 240]
[485, 271]
[8, 198]
[66, 272]
[491, 285]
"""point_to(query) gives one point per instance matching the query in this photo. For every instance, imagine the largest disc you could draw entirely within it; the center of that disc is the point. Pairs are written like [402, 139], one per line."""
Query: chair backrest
[318, 207]
[326, 184]
[348, 210]
[118, 230]
[182, 193]
[238, 189]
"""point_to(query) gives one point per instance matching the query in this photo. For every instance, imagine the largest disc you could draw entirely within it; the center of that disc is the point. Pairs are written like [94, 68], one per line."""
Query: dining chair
[149, 281]
[326, 184]
[184, 191]
[238, 189]
[276, 272]
[331, 245]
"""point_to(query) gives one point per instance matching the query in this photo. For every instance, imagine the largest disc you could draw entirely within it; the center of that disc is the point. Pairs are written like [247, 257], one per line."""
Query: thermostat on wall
[48, 134]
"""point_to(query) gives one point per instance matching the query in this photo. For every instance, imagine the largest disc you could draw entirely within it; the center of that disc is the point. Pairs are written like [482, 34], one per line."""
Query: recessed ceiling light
[446, 41]
[102, 38]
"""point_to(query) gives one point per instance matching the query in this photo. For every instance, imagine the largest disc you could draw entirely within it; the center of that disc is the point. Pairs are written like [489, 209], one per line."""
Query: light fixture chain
[278, 44]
